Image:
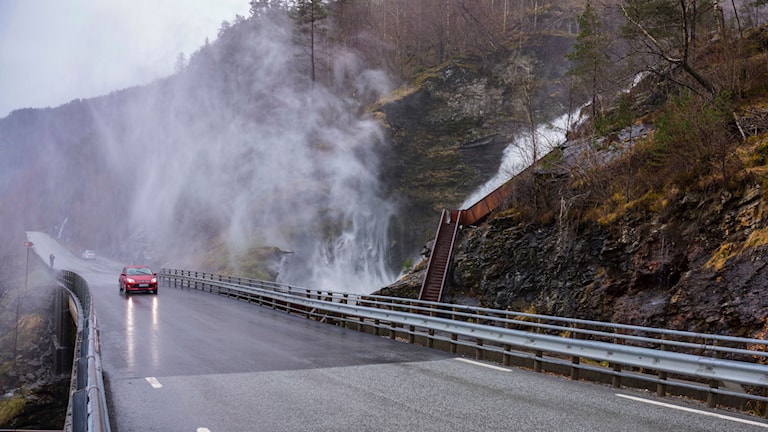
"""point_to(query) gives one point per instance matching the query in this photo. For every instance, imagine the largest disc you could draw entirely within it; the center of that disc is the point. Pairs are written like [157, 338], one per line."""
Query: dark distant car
[137, 278]
[89, 255]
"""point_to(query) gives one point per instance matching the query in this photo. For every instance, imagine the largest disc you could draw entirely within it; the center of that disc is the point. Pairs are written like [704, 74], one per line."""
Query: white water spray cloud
[242, 143]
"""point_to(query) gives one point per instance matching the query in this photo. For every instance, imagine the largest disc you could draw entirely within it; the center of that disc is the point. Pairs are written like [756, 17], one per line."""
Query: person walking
[51, 257]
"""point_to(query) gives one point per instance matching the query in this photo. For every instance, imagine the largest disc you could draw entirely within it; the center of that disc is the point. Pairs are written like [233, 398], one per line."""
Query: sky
[54, 51]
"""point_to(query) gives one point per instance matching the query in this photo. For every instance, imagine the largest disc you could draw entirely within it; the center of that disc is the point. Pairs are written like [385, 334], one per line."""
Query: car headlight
[154, 280]
[129, 280]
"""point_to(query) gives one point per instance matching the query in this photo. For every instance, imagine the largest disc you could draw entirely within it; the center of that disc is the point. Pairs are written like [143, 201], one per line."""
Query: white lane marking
[153, 382]
[203, 430]
[695, 411]
[477, 363]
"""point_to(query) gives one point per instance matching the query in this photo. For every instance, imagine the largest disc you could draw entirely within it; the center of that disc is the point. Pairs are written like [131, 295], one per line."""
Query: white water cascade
[517, 155]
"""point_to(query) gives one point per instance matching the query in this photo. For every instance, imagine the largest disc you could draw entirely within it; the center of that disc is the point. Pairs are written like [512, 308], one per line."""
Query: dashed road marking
[201, 429]
[153, 382]
[477, 363]
[695, 411]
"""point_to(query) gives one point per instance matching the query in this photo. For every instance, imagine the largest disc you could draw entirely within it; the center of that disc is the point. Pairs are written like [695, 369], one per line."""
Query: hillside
[244, 162]
[661, 221]
[448, 130]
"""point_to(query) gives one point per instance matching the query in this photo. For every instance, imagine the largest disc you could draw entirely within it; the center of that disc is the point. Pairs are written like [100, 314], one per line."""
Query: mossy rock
[10, 409]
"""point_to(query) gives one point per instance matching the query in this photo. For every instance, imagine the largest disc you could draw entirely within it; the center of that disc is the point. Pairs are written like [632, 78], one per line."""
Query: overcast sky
[54, 51]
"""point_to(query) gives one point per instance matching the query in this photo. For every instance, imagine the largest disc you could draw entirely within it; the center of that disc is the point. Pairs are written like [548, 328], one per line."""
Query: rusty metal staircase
[437, 268]
[447, 231]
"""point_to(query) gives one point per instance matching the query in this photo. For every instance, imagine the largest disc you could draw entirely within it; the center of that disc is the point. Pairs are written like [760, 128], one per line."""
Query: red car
[137, 278]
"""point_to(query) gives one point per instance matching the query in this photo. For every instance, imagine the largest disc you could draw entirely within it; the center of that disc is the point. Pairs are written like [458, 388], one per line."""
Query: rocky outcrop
[698, 264]
[448, 131]
[650, 269]
[32, 394]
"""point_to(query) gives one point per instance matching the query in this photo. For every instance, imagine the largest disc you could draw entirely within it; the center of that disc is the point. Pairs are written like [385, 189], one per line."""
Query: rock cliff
[691, 260]
[447, 131]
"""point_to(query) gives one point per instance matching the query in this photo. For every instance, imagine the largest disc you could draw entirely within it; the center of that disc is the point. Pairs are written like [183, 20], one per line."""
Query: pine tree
[309, 15]
[590, 59]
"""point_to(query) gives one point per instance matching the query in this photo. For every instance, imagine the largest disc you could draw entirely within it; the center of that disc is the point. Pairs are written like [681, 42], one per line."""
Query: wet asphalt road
[186, 360]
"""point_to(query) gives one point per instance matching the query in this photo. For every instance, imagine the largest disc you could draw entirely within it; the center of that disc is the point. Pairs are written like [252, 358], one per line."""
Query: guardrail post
[711, 396]
[478, 349]
[616, 378]
[575, 360]
[79, 402]
[713, 384]
[392, 325]
[505, 359]
[661, 385]
[343, 317]
[453, 346]
[537, 362]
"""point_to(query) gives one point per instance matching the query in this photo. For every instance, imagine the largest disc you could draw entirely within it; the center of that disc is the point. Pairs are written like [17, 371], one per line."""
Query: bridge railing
[87, 408]
[723, 370]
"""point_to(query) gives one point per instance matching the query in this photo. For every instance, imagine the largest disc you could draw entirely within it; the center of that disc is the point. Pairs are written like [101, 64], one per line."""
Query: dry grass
[729, 250]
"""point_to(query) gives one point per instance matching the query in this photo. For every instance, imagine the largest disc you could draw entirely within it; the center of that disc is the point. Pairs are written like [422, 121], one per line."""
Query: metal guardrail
[87, 408]
[704, 364]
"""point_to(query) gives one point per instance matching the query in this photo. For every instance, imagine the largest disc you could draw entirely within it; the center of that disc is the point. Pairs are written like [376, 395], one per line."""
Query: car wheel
[154, 292]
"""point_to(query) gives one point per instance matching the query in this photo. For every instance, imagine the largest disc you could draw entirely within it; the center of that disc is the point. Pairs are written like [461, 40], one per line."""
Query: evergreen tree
[309, 15]
[590, 60]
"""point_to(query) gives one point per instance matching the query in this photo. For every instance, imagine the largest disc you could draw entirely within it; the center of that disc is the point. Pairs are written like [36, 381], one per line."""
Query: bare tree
[664, 30]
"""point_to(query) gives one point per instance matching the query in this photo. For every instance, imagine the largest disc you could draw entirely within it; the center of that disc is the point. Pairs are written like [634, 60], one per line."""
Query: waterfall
[517, 155]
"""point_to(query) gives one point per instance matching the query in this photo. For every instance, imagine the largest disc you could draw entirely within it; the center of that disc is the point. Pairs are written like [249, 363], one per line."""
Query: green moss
[553, 158]
[407, 265]
[11, 408]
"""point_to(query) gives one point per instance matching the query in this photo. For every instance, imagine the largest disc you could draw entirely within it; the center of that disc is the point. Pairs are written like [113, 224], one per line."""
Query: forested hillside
[653, 211]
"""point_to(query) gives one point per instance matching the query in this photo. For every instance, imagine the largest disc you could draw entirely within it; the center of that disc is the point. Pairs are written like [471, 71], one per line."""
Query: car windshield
[139, 271]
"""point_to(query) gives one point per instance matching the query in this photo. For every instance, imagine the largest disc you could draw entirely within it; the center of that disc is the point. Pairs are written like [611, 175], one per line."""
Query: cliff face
[686, 254]
[698, 265]
[448, 132]
[692, 261]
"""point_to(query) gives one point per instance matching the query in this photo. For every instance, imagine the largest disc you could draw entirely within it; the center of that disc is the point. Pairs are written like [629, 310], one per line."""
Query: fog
[52, 52]
[236, 151]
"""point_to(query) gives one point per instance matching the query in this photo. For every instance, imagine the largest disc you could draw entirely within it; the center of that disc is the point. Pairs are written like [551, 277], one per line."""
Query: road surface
[190, 361]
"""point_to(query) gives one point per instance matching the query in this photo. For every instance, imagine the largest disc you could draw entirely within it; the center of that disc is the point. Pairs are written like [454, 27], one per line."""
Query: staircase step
[439, 262]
